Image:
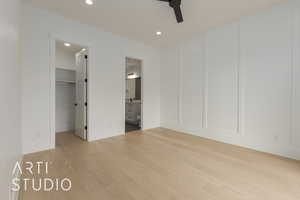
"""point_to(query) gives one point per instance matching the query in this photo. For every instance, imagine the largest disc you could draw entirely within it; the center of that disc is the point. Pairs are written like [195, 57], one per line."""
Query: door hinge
[86, 80]
[85, 127]
[85, 104]
[86, 56]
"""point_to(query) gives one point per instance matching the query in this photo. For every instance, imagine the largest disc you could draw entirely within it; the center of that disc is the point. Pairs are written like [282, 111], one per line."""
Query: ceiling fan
[175, 4]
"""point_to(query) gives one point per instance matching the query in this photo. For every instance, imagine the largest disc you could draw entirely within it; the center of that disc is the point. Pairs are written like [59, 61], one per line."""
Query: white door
[81, 96]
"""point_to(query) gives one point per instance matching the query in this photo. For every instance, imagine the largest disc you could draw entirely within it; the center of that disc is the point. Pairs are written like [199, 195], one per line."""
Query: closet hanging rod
[69, 82]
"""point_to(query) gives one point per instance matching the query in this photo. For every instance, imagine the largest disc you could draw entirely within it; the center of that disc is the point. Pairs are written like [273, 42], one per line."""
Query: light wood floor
[161, 164]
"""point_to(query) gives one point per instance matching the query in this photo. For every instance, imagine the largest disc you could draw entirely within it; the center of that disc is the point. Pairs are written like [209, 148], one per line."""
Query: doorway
[134, 100]
[71, 96]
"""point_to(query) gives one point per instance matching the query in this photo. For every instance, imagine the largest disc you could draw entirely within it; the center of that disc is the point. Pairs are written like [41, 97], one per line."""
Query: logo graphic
[38, 184]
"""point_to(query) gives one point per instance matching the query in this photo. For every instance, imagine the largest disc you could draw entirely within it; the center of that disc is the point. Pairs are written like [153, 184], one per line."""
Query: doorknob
[75, 104]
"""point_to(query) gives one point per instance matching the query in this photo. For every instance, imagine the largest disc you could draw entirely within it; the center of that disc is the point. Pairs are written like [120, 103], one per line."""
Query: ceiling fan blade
[178, 14]
[175, 4]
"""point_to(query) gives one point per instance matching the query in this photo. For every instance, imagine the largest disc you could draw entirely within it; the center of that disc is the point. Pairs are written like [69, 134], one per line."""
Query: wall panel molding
[295, 76]
[263, 102]
[204, 82]
[190, 89]
[222, 78]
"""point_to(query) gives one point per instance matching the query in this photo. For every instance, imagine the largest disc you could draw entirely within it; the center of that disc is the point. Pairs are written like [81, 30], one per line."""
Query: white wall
[65, 109]
[65, 59]
[10, 143]
[238, 83]
[65, 94]
[65, 98]
[106, 77]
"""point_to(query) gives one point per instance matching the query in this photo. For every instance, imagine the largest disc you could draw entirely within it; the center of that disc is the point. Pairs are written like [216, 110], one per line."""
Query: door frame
[142, 91]
[52, 80]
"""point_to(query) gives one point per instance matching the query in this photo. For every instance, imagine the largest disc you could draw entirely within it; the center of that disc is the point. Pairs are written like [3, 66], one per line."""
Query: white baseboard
[12, 194]
[283, 150]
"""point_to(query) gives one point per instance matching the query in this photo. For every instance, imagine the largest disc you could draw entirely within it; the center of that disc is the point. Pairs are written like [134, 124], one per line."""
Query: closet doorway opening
[134, 95]
[71, 92]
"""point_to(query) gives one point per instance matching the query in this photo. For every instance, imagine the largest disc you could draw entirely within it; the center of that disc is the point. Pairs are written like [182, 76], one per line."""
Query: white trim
[180, 87]
[293, 77]
[15, 195]
[238, 81]
[241, 83]
[52, 81]
[204, 84]
[142, 92]
[287, 151]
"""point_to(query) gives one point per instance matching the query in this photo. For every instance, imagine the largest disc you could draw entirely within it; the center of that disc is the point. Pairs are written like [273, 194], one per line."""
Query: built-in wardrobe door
[222, 69]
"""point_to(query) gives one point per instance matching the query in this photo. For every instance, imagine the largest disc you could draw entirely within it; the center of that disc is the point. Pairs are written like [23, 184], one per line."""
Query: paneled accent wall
[222, 68]
[239, 83]
[295, 104]
[191, 90]
[170, 87]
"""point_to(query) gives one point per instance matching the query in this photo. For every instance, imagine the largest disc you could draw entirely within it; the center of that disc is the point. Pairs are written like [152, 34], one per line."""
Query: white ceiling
[140, 19]
[74, 48]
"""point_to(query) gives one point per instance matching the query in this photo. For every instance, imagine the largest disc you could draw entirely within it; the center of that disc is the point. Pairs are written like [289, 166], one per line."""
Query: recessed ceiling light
[83, 49]
[67, 44]
[158, 33]
[89, 2]
[132, 76]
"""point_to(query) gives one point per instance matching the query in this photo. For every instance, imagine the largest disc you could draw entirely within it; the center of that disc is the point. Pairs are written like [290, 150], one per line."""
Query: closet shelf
[66, 69]
[62, 81]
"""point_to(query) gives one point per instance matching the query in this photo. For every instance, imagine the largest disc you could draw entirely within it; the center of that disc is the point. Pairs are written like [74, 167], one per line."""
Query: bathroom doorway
[134, 95]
